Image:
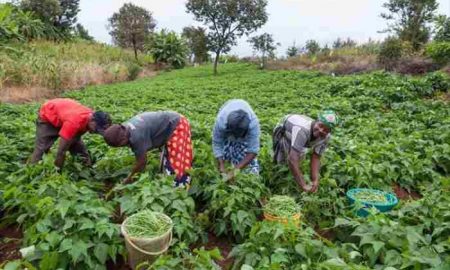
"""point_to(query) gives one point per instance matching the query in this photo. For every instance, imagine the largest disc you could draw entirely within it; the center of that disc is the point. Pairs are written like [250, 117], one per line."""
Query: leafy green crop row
[395, 130]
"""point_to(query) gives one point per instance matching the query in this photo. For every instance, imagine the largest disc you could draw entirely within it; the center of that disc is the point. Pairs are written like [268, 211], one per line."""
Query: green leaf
[79, 249]
[87, 224]
[65, 245]
[69, 224]
[300, 249]
[63, 207]
[366, 239]
[14, 265]
[49, 261]
[101, 252]
[53, 238]
[392, 258]
[377, 246]
[241, 215]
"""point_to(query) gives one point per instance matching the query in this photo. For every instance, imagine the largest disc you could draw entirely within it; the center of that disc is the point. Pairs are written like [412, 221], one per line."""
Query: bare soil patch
[10, 243]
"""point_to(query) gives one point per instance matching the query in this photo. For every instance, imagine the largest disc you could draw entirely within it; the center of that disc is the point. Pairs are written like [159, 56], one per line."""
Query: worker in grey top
[294, 134]
[167, 130]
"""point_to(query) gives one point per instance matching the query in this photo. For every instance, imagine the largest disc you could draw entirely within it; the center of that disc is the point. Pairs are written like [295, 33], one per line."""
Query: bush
[133, 71]
[438, 81]
[390, 53]
[223, 59]
[439, 52]
[169, 48]
[415, 65]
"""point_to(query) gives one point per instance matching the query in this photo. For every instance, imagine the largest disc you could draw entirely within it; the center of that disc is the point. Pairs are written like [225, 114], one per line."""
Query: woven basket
[295, 218]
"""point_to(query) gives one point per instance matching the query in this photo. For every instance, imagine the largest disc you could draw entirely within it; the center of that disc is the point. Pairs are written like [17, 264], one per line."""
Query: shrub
[133, 71]
[312, 47]
[414, 65]
[168, 47]
[390, 53]
[439, 52]
[438, 81]
[223, 59]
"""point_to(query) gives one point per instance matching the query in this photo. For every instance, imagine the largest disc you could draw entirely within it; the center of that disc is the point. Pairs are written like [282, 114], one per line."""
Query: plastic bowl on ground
[391, 201]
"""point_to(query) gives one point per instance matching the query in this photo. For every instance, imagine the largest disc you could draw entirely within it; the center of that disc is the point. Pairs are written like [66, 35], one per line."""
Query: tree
[82, 32]
[46, 10]
[292, 50]
[265, 44]
[340, 43]
[312, 47]
[168, 47]
[197, 43]
[410, 19]
[349, 43]
[390, 52]
[325, 49]
[59, 13]
[131, 26]
[337, 44]
[68, 14]
[442, 28]
[227, 20]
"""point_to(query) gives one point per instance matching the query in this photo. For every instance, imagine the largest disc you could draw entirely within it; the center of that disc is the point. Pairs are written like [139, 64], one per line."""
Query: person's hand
[307, 188]
[315, 186]
[127, 180]
[59, 164]
[229, 175]
[222, 169]
[304, 186]
[88, 162]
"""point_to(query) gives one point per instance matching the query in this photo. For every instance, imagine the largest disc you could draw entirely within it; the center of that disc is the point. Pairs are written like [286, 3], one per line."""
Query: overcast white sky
[289, 20]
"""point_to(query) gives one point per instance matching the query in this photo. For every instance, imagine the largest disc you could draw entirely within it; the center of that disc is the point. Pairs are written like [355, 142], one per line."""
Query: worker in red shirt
[69, 120]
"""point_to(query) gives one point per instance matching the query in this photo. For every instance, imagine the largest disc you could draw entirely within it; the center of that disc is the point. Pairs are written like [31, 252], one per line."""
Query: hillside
[40, 69]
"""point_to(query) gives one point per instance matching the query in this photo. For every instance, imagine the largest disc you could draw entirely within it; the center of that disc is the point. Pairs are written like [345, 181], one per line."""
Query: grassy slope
[46, 65]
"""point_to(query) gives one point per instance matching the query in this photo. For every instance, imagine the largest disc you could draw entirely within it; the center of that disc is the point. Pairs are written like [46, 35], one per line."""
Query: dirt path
[403, 194]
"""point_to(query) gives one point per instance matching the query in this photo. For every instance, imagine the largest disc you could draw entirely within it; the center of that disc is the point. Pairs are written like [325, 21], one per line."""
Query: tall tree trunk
[263, 60]
[134, 48]
[216, 61]
[135, 53]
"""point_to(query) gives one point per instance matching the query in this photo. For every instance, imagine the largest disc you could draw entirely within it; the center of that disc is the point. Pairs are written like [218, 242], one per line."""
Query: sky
[289, 20]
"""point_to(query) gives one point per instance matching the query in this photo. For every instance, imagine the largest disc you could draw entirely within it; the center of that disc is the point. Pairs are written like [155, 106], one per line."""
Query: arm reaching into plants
[63, 146]
[221, 164]
[293, 160]
[315, 170]
[138, 167]
[247, 159]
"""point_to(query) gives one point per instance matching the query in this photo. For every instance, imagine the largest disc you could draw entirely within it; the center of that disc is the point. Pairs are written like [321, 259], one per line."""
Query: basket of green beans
[147, 235]
[368, 198]
[282, 209]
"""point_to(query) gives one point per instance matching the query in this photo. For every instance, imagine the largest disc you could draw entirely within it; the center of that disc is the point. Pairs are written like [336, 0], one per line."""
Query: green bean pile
[282, 206]
[370, 197]
[147, 224]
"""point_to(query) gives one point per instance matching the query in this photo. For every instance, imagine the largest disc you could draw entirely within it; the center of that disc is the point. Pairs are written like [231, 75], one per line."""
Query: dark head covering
[115, 134]
[238, 123]
[102, 121]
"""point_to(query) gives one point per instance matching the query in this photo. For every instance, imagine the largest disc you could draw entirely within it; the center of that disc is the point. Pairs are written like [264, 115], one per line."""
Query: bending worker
[236, 137]
[294, 134]
[151, 130]
[69, 120]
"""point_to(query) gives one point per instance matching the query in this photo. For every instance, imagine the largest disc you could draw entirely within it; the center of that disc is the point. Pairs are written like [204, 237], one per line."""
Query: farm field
[395, 136]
